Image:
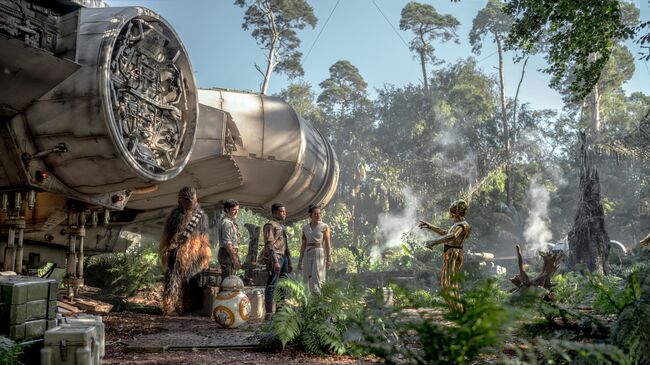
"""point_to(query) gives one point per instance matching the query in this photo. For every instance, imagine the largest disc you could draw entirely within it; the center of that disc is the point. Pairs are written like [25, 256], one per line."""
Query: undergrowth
[316, 322]
[10, 352]
[122, 274]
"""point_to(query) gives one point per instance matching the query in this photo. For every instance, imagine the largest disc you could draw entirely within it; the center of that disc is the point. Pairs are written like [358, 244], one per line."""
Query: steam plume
[392, 226]
[537, 233]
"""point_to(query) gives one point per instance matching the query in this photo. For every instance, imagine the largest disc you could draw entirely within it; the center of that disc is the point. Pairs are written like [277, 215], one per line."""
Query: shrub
[605, 294]
[316, 322]
[9, 352]
[124, 273]
[425, 340]
[557, 351]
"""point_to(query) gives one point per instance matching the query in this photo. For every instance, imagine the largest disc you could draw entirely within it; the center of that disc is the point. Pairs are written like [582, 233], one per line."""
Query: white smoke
[391, 227]
[466, 168]
[537, 233]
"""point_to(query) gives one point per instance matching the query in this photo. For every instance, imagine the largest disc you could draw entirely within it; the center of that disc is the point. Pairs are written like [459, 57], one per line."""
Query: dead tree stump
[588, 239]
[552, 262]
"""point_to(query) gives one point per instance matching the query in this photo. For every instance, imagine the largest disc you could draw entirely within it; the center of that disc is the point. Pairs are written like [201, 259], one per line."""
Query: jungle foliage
[10, 352]
[122, 274]
[422, 328]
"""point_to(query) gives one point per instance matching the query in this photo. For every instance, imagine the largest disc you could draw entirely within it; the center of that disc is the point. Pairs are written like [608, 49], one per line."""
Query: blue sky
[223, 54]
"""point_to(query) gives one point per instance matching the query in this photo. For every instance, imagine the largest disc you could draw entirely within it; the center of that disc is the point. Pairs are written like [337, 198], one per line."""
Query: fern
[316, 322]
[309, 341]
[481, 326]
[330, 337]
[124, 273]
[558, 351]
[287, 324]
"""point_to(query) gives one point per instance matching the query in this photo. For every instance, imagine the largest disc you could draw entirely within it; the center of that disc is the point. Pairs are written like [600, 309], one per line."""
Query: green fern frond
[310, 341]
[287, 324]
[330, 337]
[293, 287]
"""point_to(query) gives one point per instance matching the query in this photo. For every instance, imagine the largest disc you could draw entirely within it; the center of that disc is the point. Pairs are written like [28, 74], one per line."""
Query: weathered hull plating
[101, 124]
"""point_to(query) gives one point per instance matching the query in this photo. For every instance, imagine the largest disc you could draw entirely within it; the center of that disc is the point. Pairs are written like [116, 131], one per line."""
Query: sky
[224, 55]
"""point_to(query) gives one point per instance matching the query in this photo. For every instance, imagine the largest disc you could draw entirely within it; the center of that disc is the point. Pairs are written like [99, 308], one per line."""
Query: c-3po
[453, 250]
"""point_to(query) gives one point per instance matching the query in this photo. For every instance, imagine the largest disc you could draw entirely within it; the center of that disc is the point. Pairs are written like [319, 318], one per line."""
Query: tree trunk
[269, 68]
[588, 240]
[595, 107]
[271, 59]
[521, 79]
[504, 121]
[424, 72]
[595, 114]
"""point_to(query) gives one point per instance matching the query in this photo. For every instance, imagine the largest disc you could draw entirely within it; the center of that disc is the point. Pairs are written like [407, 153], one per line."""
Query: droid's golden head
[458, 208]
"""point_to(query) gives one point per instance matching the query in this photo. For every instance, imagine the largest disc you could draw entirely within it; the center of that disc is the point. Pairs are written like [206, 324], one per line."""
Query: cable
[321, 31]
[391, 25]
[488, 56]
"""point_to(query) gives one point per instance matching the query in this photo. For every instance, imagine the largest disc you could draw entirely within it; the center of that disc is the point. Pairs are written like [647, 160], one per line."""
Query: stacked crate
[27, 306]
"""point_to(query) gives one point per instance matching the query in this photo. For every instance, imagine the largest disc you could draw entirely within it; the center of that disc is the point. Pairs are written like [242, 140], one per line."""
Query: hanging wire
[488, 56]
[320, 32]
[391, 24]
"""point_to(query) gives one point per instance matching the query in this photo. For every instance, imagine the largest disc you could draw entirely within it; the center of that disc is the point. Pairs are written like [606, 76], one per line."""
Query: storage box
[28, 330]
[71, 346]
[19, 313]
[87, 320]
[210, 278]
[22, 289]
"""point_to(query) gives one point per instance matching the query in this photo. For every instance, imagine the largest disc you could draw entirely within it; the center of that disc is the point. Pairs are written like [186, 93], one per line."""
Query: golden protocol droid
[453, 254]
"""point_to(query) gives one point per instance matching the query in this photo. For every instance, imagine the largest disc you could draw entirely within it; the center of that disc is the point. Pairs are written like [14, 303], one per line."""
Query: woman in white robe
[315, 251]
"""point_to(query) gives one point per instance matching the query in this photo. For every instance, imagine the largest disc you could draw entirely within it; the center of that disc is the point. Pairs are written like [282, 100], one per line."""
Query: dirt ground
[122, 327]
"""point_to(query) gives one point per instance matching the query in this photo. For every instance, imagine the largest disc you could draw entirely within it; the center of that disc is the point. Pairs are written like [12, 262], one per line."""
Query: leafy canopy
[578, 35]
[344, 88]
[273, 23]
[489, 20]
[428, 25]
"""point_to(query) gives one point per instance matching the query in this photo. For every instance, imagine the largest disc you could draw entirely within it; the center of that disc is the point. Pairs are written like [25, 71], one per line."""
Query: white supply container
[256, 297]
[87, 320]
[70, 346]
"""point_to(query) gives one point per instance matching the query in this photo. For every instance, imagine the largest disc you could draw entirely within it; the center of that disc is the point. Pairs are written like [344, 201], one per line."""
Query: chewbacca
[184, 252]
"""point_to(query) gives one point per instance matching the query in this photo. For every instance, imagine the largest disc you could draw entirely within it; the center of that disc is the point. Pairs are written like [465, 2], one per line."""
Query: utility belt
[314, 245]
[449, 247]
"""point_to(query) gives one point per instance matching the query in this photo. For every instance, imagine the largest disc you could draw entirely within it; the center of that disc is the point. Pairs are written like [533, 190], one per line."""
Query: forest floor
[143, 339]
[123, 327]
[138, 338]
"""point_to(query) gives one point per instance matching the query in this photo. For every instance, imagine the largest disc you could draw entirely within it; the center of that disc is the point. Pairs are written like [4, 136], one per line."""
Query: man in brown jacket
[276, 253]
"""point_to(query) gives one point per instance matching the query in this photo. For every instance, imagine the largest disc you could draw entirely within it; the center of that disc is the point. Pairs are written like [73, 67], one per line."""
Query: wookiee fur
[183, 259]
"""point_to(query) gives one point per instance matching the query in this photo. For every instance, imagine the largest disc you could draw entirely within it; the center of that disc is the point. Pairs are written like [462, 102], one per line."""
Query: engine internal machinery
[148, 96]
[128, 116]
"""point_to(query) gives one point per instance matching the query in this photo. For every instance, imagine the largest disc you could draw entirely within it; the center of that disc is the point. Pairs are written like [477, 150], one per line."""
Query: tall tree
[492, 21]
[344, 91]
[579, 35]
[273, 23]
[428, 26]
[345, 102]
